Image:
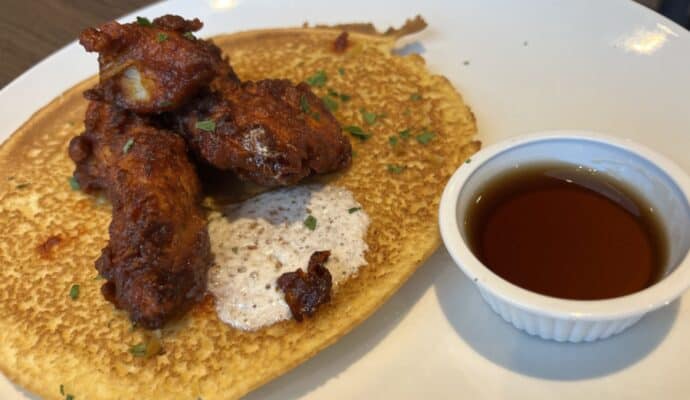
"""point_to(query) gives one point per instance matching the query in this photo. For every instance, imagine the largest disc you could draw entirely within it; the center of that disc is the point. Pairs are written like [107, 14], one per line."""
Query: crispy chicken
[157, 79]
[151, 67]
[270, 132]
[158, 256]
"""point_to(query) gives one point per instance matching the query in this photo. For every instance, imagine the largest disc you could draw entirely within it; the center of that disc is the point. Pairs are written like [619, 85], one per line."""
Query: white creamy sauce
[257, 241]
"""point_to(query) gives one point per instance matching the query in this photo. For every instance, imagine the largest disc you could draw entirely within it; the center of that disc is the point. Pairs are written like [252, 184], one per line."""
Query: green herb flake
[318, 79]
[62, 389]
[368, 117]
[330, 103]
[69, 397]
[425, 137]
[404, 134]
[469, 160]
[393, 140]
[98, 277]
[22, 186]
[161, 37]
[128, 146]
[345, 97]
[341, 71]
[304, 104]
[415, 97]
[357, 132]
[138, 350]
[143, 21]
[354, 210]
[310, 222]
[235, 249]
[207, 125]
[189, 35]
[395, 169]
[74, 292]
[73, 183]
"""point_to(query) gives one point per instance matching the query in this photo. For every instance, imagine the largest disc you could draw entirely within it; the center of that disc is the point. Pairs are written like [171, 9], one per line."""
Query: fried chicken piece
[151, 67]
[157, 259]
[270, 132]
[305, 292]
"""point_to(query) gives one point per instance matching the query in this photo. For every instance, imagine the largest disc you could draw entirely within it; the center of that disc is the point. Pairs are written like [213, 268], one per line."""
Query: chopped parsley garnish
[138, 350]
[395, 169]
[310, 222]
[342, 96]
[425, 137]
[357, 132]
[404, 134]
[318, 79]
[143, 21]
[189, 35]
[207, 125]
[304, 106]
[341, 71]
[73, 183]
[22, 186]
[74, 292]
[62, 389]
[354, 210]
[128, 146]
[235, 249]
[415, 97]
[161, 37]
[368, 117]
[330, 103]
[98, 277]
[393, 140]
[469, 160]
[69, 397]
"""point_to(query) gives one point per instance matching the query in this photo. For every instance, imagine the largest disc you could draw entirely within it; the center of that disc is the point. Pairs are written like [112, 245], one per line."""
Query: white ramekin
[664, 185]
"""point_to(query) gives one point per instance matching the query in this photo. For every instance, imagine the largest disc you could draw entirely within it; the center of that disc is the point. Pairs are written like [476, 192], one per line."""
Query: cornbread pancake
[410, 130]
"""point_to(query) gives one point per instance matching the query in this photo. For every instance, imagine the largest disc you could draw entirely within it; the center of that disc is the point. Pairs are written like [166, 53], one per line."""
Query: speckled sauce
[256, 241]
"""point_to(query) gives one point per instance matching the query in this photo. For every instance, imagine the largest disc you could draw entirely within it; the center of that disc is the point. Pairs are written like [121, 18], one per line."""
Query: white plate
[610, 66]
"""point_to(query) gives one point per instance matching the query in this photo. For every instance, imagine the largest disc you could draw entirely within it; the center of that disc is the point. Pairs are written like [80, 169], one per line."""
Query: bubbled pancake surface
[50, 235]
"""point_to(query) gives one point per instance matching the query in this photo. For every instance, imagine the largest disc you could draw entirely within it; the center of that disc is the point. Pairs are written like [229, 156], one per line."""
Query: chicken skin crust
[270, 132]
[151, 67]
[157, 259]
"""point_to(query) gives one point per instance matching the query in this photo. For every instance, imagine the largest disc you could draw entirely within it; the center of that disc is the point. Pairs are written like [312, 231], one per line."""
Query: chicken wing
[151, 67]
[157, 259]
[270, 132]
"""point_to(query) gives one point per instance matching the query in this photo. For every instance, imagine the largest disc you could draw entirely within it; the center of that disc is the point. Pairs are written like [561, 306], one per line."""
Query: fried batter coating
[305, 292]
[151, 67]
[157, 259]
[270, 132]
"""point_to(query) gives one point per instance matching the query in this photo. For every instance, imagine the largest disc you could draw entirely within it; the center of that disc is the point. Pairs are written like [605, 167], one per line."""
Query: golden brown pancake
[50, 234]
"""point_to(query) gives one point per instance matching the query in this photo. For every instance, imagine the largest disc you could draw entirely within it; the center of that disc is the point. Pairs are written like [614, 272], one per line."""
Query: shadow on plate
[498, 341]
[410, 48]
[334, 360]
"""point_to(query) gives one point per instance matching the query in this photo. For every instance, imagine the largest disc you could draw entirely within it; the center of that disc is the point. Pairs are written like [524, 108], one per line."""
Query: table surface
[33, 29]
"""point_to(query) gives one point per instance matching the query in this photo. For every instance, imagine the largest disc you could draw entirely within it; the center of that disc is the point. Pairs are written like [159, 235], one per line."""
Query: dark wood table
[32, 29]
